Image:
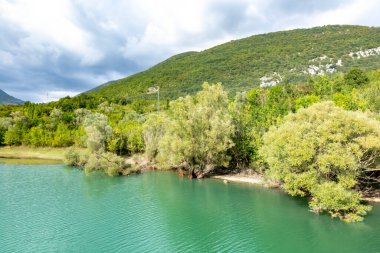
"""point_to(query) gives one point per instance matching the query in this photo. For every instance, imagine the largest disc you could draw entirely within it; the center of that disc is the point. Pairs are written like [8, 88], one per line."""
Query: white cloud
[356, 12]
[50, 22]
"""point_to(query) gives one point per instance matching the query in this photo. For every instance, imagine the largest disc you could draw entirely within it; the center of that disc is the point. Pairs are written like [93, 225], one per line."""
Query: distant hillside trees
[356, 78]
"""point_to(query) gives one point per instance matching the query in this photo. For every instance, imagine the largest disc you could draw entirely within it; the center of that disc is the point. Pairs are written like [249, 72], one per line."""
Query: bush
[108, 163]
[339, 201]
[73, 157]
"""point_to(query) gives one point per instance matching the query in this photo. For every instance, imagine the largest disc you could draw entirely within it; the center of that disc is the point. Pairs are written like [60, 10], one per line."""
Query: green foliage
[306, 101]
[353, 100]
[243, 136]
[371, 96]
[17, 129]
[199, 131]
[127, 138]
[62, 136]
[319, 144]
[38, 137]
[5, 123]
[339, 201]
[355, 78]
[74, 157]
[97, 130]
[109, 163]
[322, 85]
[154, 129]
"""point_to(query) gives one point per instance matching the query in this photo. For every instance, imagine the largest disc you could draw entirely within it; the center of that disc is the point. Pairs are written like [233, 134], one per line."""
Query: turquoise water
[51, 208]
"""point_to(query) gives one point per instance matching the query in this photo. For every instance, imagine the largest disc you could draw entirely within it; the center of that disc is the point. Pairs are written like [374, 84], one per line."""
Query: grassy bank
[30, 152]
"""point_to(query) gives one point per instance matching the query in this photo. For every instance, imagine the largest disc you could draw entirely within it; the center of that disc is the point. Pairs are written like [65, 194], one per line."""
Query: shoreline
[260, 181]
[22, 152]
[57, 154]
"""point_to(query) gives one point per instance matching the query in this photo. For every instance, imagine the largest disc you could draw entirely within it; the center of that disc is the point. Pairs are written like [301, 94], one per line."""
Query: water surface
[52, 208]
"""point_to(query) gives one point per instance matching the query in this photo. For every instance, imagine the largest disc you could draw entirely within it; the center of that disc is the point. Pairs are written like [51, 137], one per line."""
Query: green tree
[306, 101]
[244, 150]
[154, 129]
[200, 131]
[97, 130]
[5, 123]
[355, 78]
[18, 128]
[127, 138]
[323, 144]
[62, 136]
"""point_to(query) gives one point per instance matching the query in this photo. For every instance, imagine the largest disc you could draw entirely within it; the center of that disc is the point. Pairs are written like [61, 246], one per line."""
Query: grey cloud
[39, 68]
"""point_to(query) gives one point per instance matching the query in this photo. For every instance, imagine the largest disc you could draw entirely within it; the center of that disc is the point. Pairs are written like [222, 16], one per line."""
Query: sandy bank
[374, 199]
[259, 180]
[251, 179]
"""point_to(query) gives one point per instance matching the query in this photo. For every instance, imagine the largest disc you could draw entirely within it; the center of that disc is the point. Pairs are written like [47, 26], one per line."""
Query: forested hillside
[260, 60]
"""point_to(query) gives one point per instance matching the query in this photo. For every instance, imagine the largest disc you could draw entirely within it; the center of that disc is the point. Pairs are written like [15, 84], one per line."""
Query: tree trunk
[192, 174]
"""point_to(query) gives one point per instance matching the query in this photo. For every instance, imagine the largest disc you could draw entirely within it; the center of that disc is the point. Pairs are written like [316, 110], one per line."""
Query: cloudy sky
[54, 48]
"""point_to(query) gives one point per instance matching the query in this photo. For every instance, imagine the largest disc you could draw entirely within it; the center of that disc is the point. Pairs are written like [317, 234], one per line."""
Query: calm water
[51, 208]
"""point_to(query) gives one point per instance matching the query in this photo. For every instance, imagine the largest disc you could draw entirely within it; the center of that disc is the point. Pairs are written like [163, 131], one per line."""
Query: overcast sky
[54, 48]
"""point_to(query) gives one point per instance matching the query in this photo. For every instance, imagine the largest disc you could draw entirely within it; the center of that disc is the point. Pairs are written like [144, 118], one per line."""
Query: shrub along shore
[320, 140]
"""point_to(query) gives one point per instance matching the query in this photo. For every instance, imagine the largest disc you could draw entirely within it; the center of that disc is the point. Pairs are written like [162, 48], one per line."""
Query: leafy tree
[199, 132]
[154, 129]
[97, 130]
[62, 136]
[322, 85]
[38, 137]
[56, 115]
[17, 129]
[355, 78]
[243, 137]
[306, 101]
[371, 96]
[323, 144]
[127, 138]
[350, 101]
[5, 123]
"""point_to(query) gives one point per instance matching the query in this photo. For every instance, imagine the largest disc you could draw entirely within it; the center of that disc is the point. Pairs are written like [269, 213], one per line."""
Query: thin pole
[158, 98]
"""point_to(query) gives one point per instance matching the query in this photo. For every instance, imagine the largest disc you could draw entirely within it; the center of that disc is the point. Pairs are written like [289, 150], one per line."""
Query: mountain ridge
[259, 60]
[6, 99]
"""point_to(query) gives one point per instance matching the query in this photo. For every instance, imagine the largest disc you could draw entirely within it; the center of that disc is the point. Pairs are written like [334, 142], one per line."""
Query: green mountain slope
[6, 99]
[267, 59]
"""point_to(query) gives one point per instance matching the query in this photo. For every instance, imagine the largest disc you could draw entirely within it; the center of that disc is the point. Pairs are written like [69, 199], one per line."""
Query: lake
[53, 208]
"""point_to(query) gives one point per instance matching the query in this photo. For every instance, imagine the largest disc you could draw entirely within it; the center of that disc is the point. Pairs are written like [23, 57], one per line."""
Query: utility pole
[155, 89]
